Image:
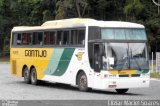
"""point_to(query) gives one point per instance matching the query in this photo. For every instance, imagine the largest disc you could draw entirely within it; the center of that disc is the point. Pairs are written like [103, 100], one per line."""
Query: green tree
[81, 6]
[61, 8]
[71, 8]
[35, 12]
[133, 8]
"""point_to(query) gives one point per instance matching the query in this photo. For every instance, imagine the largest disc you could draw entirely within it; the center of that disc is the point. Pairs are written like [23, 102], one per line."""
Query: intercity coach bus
[82, 52]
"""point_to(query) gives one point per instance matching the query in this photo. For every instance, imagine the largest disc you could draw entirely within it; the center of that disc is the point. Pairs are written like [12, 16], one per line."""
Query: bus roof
[78, 22]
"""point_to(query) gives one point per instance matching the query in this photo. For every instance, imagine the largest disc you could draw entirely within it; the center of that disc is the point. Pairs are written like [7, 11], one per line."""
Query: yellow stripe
[122, 72]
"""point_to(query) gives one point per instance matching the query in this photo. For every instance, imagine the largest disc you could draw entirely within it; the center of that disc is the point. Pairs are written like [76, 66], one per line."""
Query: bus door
[98, 49]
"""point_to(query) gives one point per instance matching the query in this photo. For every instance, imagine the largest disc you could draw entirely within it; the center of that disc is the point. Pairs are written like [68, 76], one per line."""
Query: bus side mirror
[111, 61]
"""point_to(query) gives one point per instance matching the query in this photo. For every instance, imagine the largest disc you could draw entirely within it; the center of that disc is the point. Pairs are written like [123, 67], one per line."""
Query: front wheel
[121, 91]
[82, 82]
[34, 80]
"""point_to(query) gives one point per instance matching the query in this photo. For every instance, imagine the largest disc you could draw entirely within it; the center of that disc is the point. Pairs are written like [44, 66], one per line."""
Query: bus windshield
[124, 56]
[125, 48]
[123, 34]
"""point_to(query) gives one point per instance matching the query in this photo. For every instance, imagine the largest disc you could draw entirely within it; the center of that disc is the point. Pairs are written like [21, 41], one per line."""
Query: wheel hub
[83, 81]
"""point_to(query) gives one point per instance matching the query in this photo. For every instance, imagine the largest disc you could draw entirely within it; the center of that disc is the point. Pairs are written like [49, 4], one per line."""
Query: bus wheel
[34, 80]
[121, 91]
[82, 82]
[26, 75]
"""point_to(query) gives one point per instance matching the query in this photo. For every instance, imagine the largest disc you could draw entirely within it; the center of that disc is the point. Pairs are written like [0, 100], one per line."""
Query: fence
[157, 61]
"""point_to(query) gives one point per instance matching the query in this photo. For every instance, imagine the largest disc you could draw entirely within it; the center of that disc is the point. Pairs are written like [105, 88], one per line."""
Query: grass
[155, 75]
[4, 59]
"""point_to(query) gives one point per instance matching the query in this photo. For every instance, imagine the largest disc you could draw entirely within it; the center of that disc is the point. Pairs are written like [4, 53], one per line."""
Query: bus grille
[14, 71]
[124, 75]
[127, 75]
[135, 75]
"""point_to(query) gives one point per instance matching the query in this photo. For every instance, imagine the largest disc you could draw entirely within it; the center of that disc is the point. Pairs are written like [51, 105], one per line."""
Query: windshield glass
[123, 56]
[123, 34]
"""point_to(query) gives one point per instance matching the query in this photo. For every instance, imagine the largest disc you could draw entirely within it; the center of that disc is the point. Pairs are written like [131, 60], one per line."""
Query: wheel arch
[31, 68]
[24, 66]
[80, 71]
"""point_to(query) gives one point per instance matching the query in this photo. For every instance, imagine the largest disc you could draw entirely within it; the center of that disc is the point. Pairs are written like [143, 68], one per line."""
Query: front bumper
[121, 83]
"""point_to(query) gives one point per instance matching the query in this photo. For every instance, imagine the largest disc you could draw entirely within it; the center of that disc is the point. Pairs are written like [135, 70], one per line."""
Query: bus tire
[82, 82]
[26, 75]
[121, 91]
[34, 80]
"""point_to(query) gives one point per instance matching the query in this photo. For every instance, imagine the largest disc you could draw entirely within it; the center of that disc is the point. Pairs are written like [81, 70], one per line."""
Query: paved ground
[13, 88]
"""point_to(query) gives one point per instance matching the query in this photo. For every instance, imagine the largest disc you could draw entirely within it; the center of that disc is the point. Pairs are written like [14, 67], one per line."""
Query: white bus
[82, 52]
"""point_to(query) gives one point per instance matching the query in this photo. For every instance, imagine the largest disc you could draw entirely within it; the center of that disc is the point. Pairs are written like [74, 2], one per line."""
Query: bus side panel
[15, 61]
[59, 64]
[30, 57]
[64, 65]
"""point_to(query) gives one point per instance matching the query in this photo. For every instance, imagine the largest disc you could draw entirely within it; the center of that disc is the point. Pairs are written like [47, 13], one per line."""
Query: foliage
[35, 12]
[155, 75]
[133, 7]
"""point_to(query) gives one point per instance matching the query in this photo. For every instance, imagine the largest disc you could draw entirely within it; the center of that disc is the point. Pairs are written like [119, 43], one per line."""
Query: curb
[4, 62]
[155, 79]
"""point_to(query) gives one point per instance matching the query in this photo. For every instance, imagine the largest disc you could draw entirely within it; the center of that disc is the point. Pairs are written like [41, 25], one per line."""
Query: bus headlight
[104, 75]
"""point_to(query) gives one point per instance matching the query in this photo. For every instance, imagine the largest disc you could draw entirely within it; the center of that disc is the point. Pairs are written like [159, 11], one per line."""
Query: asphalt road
[13, 88]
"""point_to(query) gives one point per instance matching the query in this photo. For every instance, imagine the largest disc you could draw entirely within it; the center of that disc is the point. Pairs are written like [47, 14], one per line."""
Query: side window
[94, 33]
[78, 37]
[37, 38]
[66, 38]
[19, 38]
[74, 37]
[49, 38]
[46, 38]
[52, 38]
[81, 37]
[26, 38]
[16, 39]
[59, 37]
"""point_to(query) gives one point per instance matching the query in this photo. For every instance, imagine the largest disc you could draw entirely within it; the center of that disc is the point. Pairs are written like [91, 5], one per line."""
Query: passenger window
[77, 37]
[49, 38]
[19, 39]
[59, 37]
[66, 38]
[74, 37]
[16, 39]
[46, 38]
[81, 37]
[37, 38]
[52, 38]
[26, 38]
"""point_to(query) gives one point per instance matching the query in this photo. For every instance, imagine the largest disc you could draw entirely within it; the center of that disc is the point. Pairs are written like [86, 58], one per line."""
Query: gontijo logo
[35, 53]
[79, 55]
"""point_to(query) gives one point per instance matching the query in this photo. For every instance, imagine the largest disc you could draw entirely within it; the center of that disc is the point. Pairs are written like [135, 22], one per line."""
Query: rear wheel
[26, 75]
[82, 82]
[34, 80]
[121, 91]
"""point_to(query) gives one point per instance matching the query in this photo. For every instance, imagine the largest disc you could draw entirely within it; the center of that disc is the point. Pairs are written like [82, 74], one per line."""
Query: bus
[82, 52]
